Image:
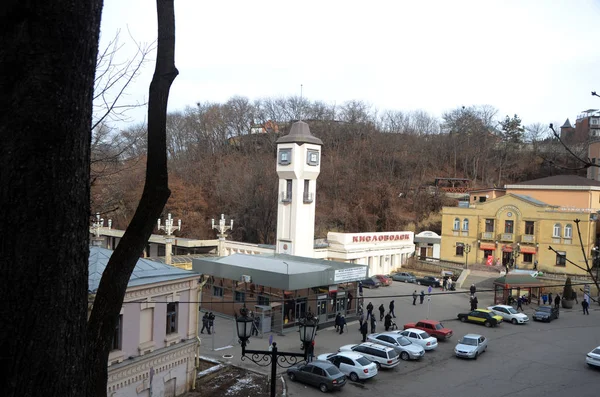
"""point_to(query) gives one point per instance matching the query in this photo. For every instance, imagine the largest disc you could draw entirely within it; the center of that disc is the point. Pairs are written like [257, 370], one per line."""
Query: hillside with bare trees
[377, 168]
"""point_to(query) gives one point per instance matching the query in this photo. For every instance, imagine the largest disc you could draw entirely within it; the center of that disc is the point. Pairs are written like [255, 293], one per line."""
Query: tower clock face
[312, 157]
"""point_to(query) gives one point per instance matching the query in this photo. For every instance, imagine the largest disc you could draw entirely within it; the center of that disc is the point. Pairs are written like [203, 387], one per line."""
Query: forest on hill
[375, 166]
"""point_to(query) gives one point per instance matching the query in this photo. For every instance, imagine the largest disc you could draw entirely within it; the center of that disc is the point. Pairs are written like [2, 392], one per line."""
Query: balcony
[487, 236]
[528, 238]
[506, 237]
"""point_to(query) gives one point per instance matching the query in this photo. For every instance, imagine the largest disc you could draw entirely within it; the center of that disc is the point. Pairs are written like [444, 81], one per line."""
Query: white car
[420, 337]
[404, 347]
[382, 356]
[508, 313]
[353, 365]
[593, 358]
[471, 346]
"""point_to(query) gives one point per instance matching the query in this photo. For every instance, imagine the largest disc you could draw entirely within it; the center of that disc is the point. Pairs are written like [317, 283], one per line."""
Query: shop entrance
[300, 308]
[322, 308]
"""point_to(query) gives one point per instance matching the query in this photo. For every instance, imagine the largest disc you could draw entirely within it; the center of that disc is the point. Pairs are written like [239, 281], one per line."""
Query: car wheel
[463, 319]
[476, 355]
[323, 388]
[353, 377]
[514, 321]
[377, 365]
[404, 356]
[292, 376]
[487, 324]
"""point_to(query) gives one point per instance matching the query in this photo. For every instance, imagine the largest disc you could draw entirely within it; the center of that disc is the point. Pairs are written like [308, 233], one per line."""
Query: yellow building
[518, 229]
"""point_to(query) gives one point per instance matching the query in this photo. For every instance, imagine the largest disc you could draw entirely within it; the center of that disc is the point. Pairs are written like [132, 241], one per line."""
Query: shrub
[568, 290]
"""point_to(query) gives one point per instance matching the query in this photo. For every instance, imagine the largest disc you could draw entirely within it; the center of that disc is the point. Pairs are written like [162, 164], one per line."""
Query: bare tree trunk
[47, 62]
[111, 291]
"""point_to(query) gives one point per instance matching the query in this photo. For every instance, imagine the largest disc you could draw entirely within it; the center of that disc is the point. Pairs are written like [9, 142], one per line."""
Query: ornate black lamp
[308, 328]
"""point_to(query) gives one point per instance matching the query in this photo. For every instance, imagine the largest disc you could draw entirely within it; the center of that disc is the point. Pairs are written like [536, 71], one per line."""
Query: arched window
[456, 224]
[569, 231]
[466, 224]
[556, 231]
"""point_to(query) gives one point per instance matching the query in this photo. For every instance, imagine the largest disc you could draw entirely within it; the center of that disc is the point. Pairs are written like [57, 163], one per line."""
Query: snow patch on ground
[245, 383]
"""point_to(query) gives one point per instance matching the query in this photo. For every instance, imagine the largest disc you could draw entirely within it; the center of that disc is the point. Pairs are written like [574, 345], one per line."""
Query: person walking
[475, 301]
[519, 303]
[414, 297]
[550, 300]
[422, 297]
[205, 323]
[444, 283]
[311, 351]
[449, 283]
[381, 312]
[369, 310]
[373, 324]
[585, 305]
[350, 296]
[211, 322]
[388, 322]
[392, 309]
[361, 320]
[473, 289]
[364, 328]
[342, 324]
[360, 288]
[557, 302]
[337, 322]
[472, 301]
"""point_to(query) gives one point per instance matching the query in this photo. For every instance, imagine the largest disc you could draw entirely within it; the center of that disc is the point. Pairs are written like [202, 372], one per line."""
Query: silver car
[403, 276]
[471, 346]
[404, 347]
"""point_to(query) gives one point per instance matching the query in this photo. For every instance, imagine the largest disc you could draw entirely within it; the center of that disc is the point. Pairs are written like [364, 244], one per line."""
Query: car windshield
[596, 351]
[546, 309]
[363, 361]
[512, 310]
[439, 326]
[469, 341]
[332, 371]
[403, 341]
[424, 335]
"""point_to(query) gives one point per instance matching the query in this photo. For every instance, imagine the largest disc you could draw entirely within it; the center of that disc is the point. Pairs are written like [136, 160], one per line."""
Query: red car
[432, 327]
[384, 280]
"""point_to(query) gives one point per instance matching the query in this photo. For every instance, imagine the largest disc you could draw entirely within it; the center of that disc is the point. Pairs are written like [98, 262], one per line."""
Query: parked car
[420, 337]
[545, 313]
[508, 313]
[371, 282]
[382, 356]
[321, 374]
[593, 358]
[383, 279]
[471, 346]
[404, 347]
[405, 277]
[432, 327]
[352, 364]
[481, 316]
[429, 280]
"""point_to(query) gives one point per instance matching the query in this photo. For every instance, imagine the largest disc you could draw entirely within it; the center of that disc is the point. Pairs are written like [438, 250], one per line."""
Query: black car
[371, 282]
[319, 373]
[545, 313]
[428, 280]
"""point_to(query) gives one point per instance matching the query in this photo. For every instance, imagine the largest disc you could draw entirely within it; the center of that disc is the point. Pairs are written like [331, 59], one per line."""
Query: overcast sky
[539, 59]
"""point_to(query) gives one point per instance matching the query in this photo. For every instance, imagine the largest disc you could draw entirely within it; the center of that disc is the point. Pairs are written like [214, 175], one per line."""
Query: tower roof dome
[300, 133]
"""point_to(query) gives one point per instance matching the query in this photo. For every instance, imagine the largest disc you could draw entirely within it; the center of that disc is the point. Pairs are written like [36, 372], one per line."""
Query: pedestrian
[373, 324]
[444, 283]
[473, 289]
[557, 301]
[392, 309]
[205, 323]
[475, 301]
[311, 351]
[337, 322]
[422, 296]
[550, 300]
[342, 324]
[350, 300]
[369, 310]
[211, 322]
[584, 305]
[575, 297]
[381, 312]
[472, 301]
[429, 290]
[360, 288]
[519, 303]
[449, 284]
[361, 320]
[364, 328]
[415, 297]
[388, 322]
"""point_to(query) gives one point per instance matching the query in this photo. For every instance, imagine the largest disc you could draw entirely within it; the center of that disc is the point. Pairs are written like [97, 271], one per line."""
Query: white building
[428, 245]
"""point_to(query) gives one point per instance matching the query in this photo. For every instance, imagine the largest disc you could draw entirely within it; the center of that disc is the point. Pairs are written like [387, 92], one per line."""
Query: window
[171, 318]
[307, 195]
[460, 249]
[556, 230]
[285, 156]
[456, 224]
[529, 228]
[240, 296]
[561, 258]
[489, 225]
[312, 157]
[568, 231]
[146, 325]
[288, 190]
[263, 301]
[509, 226]
[527, 258]
[218, 291]
[118, 334]
[465, 224]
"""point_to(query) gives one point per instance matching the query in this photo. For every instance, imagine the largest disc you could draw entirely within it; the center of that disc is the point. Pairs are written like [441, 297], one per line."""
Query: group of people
[208, 322]
[448, 284]
[420, 296]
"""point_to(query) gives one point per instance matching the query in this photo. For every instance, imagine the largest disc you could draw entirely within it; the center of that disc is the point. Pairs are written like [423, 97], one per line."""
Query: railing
[487, 236]
[527, 238]
[506, 237]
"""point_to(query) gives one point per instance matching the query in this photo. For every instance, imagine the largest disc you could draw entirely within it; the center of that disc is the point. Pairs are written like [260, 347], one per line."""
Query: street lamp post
[467, 250]
[169, 230]
[96, 226]
[222, 229]
[273, 357]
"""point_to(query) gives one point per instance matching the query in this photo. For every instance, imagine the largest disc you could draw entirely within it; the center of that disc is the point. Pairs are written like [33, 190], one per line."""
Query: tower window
[312, 157]
[285, 156]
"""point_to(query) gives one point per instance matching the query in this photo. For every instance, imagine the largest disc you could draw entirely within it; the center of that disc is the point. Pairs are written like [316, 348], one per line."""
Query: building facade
[155, 341]
[587, 126]
[517, 230]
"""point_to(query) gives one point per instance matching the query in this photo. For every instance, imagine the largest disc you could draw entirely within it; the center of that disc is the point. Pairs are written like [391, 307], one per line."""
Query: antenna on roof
[300, 115]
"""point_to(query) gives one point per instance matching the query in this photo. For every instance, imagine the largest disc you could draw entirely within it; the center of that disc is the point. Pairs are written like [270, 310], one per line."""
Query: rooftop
[300, 133]
[556, 180]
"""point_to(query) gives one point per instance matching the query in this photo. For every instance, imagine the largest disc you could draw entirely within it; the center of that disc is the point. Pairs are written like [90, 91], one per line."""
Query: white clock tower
[298, 166]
